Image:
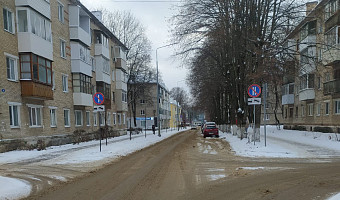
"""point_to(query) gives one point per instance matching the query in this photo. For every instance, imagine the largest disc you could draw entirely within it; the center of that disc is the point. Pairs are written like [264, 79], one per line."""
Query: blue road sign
[3, 90]
[254, 90]
[98, 98]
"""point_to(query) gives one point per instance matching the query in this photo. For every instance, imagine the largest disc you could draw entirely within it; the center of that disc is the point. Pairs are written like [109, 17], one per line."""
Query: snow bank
[13, 188]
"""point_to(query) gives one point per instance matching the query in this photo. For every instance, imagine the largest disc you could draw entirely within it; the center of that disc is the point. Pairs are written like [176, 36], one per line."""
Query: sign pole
[264, 113]
[254, 124]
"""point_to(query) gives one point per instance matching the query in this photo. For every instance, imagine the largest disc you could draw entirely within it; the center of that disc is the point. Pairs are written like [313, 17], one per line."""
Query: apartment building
[146, 108]
[311, 95]
[175, 115]
[57, 55]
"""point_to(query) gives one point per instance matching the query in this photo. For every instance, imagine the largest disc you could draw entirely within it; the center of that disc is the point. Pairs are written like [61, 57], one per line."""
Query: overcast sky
[154, 16]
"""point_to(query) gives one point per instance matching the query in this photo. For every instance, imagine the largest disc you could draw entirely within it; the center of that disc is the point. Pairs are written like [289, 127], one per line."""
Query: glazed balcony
[307, 94]
[79, 25]
[310, 40]
[32, 89]
[331, 56]
[331, 87]
[42, 6]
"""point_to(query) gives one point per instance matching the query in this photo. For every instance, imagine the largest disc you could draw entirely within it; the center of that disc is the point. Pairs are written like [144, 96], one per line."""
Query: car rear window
[211, 127]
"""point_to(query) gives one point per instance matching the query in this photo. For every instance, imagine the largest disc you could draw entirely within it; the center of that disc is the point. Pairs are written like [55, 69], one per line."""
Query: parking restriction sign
[254, 90]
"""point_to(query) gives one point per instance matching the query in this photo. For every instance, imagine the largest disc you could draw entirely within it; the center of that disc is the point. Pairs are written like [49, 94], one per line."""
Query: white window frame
[15, 66]
[64, 83]
[95, 119]
[318, 109]
[337, 107]
[68, 118]
[303, 110]
[310, 109]
[62, 48]
[114, 118]
[32, 107]
[88, 118]
[76, 118]
[53, 118]
[53, 80]
[101, 118]
[9, 22]
[10, 105]
[108, 118]
[124, 118]
[61, 12]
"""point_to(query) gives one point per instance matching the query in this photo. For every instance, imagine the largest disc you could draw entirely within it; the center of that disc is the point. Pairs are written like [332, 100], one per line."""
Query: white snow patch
[215, 177]
[60, 178]
[11, 188]
[334, 197]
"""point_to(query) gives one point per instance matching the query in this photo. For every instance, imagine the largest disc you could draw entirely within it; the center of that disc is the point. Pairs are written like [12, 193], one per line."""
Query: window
[102, 118]
[124, 96]
[82, 83]
[326, 108]
[84, 53]
[65, 82]
[113, 75]
[78, 114]
[61, 12]
[36, 68]
[291, 112]
[143, 123]
[319, 82]
[113, 96]
[106, 66]
[142, 101]
[310, 109]
[318, 109]
[12, 69]
[93, 63]
[14, 114]
[332, 37]
[62, 48]
[119, 118]
[39, 25]
[53, 117]
[114, 118]
[8, 20]
[95, 118]
[306, 81]
[302, 110]
[330, 8]
[108, 119]
[35, 115]
[67, 117]
[87, 115]
[53, 81]
[142, 112]
[124, 118]
[308, 29]
[104, 88]
[296, 112]
[337, 107]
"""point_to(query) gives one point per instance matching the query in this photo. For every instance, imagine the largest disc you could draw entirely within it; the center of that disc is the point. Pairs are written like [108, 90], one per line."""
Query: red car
[210, 131]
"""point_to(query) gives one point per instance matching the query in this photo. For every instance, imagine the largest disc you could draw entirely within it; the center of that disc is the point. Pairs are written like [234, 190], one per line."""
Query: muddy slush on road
[187, 166]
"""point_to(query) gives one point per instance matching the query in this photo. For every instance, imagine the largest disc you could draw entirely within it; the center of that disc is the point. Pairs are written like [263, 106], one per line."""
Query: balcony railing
[307, 94]
[331, 87]
[36, 90]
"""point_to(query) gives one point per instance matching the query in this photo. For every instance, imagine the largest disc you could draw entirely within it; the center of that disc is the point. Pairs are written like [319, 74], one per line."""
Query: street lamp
[157, 98]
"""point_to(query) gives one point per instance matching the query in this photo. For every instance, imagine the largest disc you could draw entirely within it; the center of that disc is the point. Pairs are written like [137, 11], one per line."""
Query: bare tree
[131, 32]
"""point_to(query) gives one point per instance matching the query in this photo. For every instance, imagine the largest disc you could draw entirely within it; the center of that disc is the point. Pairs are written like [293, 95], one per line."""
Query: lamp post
[157, 98]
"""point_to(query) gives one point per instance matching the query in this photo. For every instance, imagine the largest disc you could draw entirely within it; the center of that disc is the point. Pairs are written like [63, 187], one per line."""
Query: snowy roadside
[286, 144]
[82, 154]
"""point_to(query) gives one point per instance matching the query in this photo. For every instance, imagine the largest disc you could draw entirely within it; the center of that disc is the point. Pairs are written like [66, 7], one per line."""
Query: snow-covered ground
[280, 143]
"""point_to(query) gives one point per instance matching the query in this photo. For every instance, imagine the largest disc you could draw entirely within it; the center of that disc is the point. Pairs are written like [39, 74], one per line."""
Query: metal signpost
[98, 99]
[254, 91]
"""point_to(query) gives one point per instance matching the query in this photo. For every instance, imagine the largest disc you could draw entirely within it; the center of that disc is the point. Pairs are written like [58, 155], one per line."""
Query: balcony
[36, 90]
[82, 99]
[307, 94]
[310, 40]
[29, 42]
[120, 63]
[332, 21]
[42, 6]
[103, 70]
[331, 87]
[100, 49]
[79, 25]
[121, 106]
[331, 56]
[287, 99]
[79, 34]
